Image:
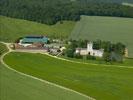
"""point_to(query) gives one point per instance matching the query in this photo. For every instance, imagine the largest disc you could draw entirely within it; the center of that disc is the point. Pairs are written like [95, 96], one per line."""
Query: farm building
[90, 51]
[30, 40]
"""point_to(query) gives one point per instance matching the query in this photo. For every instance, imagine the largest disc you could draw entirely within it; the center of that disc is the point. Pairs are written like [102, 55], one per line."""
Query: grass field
[3, 49]
[100, 82]
[105, 28]
[127, 4]
[127, 62]
[17, 87]
[11, 29]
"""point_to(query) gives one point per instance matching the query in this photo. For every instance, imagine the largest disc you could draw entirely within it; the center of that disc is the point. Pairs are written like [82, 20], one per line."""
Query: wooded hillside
[52, 11]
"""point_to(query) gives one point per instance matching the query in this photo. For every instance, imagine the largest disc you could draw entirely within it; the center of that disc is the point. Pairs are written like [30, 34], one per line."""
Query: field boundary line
[30, 51]
[42, 80]
[35, 52]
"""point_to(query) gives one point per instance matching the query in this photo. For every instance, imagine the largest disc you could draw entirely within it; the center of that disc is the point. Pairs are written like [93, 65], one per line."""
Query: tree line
[52, 11]
[108, 1]
[113, 52]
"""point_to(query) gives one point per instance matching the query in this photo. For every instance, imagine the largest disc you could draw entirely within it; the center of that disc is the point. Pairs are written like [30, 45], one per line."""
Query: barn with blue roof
[34, 39]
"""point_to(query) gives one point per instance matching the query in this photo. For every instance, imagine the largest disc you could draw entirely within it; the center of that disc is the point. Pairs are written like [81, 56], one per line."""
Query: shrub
[89, 57]
[78, 56]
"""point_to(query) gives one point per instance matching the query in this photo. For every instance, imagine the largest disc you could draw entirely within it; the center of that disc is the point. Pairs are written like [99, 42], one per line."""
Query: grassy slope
[11, 29]
[105, 28]
[17, 87]
[126, 62]
[100, 82]
[2, 49]
[127, 4]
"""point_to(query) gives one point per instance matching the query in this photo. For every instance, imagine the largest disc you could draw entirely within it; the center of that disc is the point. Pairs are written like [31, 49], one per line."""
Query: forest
[108, 1]
[52, 11]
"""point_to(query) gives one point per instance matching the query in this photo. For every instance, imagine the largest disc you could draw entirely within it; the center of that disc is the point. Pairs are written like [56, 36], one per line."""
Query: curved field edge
[12, 29]
[114, 29]
[26, 88]
[127, 62]
[14, 86]
[3, 49]
[100, 82]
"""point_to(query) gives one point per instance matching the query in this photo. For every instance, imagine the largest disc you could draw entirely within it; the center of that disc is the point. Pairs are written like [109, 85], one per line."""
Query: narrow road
[30, 51]
[30, 76]
[34, 51]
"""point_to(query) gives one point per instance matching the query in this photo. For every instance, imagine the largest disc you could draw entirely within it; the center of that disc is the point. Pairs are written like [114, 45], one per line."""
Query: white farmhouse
[90, 51]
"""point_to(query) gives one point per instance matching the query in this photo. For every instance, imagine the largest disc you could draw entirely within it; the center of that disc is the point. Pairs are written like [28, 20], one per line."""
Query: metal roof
[35, 40]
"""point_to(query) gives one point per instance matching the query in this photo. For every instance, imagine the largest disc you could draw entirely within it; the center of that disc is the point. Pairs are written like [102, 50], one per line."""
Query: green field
[105, 28]
[11, 29]
[17, 87]
[127, 4]
[127, 62]
[98, 81]
[3, 49]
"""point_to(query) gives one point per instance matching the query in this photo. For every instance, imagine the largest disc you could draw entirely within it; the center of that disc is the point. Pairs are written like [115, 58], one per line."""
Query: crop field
[127, 4]
[98, 81]
[105, 28]
[128, 62]
[17, 87]
[2, 49]
[11, 29]
[14, 86]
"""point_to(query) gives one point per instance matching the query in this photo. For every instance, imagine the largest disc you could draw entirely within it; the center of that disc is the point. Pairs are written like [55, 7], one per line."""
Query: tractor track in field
[45, 53]
[34, 51]
[39, 79]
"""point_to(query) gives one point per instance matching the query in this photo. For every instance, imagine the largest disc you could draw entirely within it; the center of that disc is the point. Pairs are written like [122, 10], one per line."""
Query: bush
[17, 40]
[70, 53]
[78, 56]
[107, 57]
[89, 57]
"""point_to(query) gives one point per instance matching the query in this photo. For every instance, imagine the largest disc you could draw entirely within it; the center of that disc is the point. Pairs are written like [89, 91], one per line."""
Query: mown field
[17, 87]
[127, 4]
[11, 29]
[98, 81]
[128, 62]
[3, 49]
[105, 28]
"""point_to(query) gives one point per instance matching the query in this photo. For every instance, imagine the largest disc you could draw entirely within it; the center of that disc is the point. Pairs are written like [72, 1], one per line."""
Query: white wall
[90, 47]
[25, 45]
